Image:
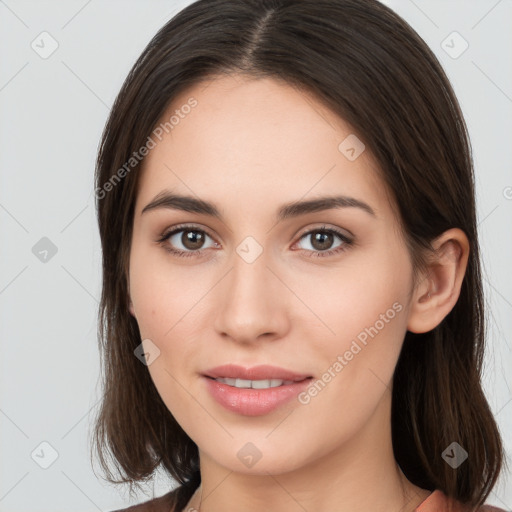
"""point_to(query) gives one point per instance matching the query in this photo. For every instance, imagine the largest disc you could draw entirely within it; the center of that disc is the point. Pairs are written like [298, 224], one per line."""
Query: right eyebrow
[169, 200]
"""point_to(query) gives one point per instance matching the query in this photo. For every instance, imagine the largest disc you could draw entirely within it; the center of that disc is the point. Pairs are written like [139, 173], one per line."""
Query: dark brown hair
[371, 68]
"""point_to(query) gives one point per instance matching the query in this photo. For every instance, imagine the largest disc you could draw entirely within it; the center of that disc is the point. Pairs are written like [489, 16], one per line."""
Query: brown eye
[192, 239]
[322, 242]
[186, 241]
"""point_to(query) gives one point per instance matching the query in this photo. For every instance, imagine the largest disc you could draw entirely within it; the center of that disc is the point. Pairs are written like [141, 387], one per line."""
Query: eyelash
[313, 254]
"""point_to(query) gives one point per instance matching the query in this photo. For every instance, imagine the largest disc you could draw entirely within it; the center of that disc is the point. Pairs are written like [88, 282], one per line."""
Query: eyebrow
[169, 200]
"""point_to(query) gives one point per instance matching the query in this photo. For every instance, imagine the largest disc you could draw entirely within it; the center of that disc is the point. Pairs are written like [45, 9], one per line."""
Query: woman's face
[259, 285]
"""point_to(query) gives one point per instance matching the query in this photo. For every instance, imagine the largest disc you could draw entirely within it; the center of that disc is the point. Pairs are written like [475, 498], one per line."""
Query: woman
[292, 311]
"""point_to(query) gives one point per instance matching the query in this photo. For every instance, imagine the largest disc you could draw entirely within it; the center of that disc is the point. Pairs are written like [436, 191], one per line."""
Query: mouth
[254, 384]
[254, 391]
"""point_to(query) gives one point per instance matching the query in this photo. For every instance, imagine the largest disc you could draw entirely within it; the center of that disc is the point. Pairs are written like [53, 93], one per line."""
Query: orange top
[436, 502]
[439, 502]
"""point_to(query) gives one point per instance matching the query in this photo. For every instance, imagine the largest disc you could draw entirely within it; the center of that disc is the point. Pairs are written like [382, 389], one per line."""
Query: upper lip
[261, 372]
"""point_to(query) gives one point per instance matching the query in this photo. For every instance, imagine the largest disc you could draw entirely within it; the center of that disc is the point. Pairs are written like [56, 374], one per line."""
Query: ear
[438, 291]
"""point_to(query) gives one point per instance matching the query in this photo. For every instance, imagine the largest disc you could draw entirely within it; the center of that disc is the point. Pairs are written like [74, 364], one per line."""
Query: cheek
[363, 313]
[164, 296]
[162, 293]
[366, 292]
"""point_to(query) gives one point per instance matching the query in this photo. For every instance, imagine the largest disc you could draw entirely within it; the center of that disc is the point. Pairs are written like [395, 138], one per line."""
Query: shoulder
[439, 502]
[161, 504]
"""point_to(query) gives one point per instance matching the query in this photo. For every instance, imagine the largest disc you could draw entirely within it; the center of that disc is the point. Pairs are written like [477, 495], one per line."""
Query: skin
[250, 146]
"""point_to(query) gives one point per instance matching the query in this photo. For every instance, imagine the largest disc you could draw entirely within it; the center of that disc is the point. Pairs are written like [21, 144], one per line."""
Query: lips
[233, 387]
[261, 372]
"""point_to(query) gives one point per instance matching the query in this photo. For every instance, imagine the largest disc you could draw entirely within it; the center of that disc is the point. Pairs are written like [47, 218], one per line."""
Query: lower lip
[254, 402]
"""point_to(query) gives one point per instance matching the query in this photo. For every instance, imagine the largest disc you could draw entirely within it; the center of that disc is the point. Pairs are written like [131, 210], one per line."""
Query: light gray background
[52, 113]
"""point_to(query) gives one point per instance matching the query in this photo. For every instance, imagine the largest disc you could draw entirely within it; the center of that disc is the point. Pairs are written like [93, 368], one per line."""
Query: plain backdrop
[61, 66]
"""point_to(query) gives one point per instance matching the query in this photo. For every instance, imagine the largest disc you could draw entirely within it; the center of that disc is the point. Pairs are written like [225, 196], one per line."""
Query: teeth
[254, 384]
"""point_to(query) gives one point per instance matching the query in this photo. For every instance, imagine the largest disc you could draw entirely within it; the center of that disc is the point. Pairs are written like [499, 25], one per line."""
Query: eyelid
[184, 227]
[326, 227]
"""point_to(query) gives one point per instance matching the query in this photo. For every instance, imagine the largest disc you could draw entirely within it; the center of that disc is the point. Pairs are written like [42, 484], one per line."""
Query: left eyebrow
[169, 200]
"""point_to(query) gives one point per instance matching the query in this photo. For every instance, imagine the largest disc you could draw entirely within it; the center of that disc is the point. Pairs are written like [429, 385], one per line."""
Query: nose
[253, 303]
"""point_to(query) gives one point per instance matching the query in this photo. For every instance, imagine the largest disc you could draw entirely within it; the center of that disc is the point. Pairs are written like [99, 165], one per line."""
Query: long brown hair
[371, 68]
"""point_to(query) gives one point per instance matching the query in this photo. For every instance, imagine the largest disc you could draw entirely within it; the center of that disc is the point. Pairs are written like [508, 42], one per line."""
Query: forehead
[262, 140]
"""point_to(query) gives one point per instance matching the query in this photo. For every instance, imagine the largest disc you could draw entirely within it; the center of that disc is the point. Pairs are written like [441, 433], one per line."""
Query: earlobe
[438, 292]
